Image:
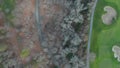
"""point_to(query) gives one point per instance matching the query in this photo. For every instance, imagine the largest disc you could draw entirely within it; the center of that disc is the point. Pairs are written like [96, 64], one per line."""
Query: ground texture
[63, 39]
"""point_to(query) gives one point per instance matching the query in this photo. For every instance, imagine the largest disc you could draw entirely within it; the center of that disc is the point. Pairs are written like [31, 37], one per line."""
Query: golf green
[105, 36]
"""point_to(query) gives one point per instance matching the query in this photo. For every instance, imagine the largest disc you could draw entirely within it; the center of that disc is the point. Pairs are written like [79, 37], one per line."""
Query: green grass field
[105, 36]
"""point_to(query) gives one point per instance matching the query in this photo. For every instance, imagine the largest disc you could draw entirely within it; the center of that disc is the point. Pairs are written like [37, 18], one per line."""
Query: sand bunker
[108, 17]
[116, 50]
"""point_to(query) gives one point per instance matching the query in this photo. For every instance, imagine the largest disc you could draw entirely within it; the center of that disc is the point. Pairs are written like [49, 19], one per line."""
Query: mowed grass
[105, 36]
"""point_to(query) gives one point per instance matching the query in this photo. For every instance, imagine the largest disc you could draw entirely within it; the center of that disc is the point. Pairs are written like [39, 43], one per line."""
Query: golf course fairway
[104, 37]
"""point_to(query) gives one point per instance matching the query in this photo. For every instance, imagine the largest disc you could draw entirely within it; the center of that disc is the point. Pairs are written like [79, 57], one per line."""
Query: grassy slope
[104, 37]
